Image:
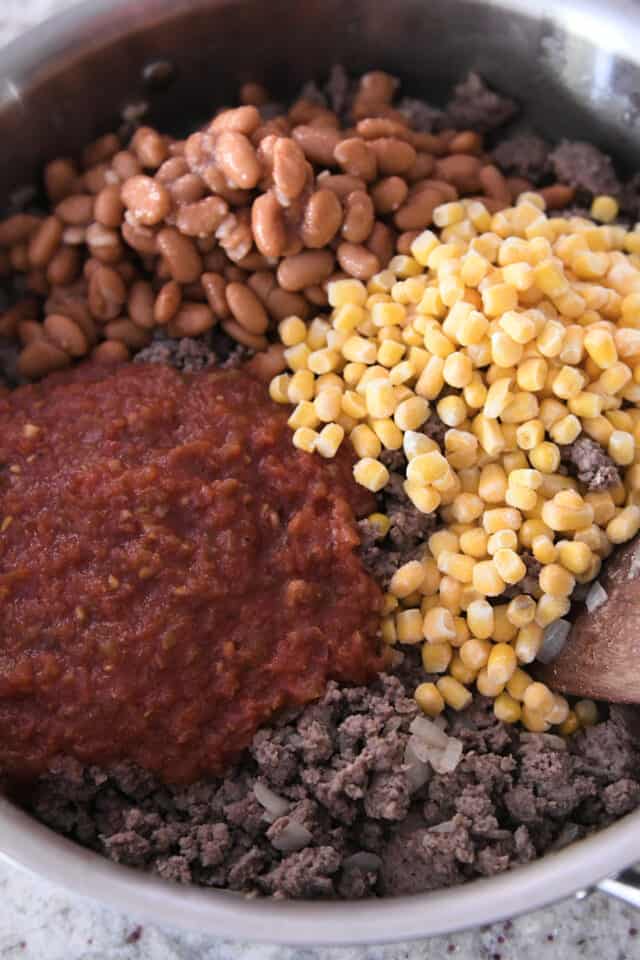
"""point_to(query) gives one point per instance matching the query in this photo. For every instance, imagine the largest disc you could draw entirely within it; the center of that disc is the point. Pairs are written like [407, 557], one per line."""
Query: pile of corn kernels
[522, 331]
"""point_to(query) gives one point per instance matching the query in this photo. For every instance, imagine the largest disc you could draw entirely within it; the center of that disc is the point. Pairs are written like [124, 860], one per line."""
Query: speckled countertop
[41, 922]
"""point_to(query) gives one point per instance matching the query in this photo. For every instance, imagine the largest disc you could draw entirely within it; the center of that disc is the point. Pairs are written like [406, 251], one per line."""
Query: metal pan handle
[626, 887]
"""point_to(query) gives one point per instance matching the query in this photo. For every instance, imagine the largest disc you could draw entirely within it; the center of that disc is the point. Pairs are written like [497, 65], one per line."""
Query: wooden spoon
[601, 659]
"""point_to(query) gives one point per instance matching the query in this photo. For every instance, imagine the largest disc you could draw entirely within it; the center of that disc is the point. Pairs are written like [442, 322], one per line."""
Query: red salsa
[172, 570]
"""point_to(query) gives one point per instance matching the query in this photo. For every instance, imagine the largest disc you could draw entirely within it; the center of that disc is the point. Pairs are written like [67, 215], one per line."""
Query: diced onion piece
[596, 597]
[275, 805]
[555, 637]
[429, 732]
[362, 860]
[292, 837]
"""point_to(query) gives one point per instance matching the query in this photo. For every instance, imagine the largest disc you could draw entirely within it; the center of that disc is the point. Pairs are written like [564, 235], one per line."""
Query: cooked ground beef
[525, 156]
[590, 463]
[474, 106]
[585, 167]
[351, 826]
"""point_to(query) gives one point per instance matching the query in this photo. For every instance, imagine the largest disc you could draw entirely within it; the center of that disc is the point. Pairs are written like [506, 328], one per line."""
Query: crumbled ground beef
[525, 156]
[475, 107]
[339, 765]
[419, 114]
[585, 167]
[191, 354]
[590, 463]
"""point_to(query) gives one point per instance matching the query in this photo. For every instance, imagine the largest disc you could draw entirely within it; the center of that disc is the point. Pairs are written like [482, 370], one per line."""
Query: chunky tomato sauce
[172, 570]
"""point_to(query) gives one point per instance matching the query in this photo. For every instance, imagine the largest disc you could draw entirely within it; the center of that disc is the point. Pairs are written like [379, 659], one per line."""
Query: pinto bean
[305, 269]
[322, 219]
[183, 260]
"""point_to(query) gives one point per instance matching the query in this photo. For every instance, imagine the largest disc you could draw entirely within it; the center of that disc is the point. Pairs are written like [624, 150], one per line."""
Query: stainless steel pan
[575, 67]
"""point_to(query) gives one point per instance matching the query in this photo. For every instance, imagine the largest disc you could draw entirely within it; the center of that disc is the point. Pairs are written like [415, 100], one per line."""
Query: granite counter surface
[42, 922]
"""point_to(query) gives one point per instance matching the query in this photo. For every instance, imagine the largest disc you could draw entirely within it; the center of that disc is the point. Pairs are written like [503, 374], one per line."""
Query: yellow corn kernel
[518, 683]
[624, 525]
[279, 388]
[486, 579]
[474, 542]
[474, 268]
[409, 626]
[305, 438]
[317, 334]
[505, 352]
[353, 405]
[387, 432]
[371, 473]
[454, 694]
[429, 699]
[329, 440]
[521, 327]
[436, 657]
[489, 434]
[586, 712]
[402, 372]
[359, 350]
[442, 540]
[570, 725]
[381, 523]
[492, 485]
[506, 708]
[328, 404]
[438, 625]
[551, 608]
[532, 374]
[460, 672]
[604, 208]
[509, 565]
[531, 528]
[521, 498]
[297, 356]
[545, 457]
[346, 291]
[544, 549]
[466, 508]
[388, 631]
[599, 429]
[497, 398]
[304, 415]
[390, 353]
[424, 499]
[586, 404]
[427, 467]
[449, 591]
[292, 330]
[506, 539]
[415, 443]
[532, 721]
[521, 610]
[502, 663]
[565, 430]
[601, 347]
[615, 378]
[501, 518]
[621, 447]
[461, 448]
[528, 643]
[576, 557]
[480, 619]
[486, 686]
[365, 442]
[457, 370]
[353, 373]
[568, 382]
[589, 265]
[603, 507]
[347, 318]
[456, 565]
[550, 341]
[410, 414]
[567, 511]
[407, 578]
[499, 298]
[474, 653]
[431, 577]
[381, 282]
[559, 711]
[556, 580]
[549, 277]
[436, 342]
[380, 398]
[539, 699]
[431, 381]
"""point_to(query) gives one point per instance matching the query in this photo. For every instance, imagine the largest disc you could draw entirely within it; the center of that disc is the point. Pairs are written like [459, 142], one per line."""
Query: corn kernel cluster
[530, 326]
